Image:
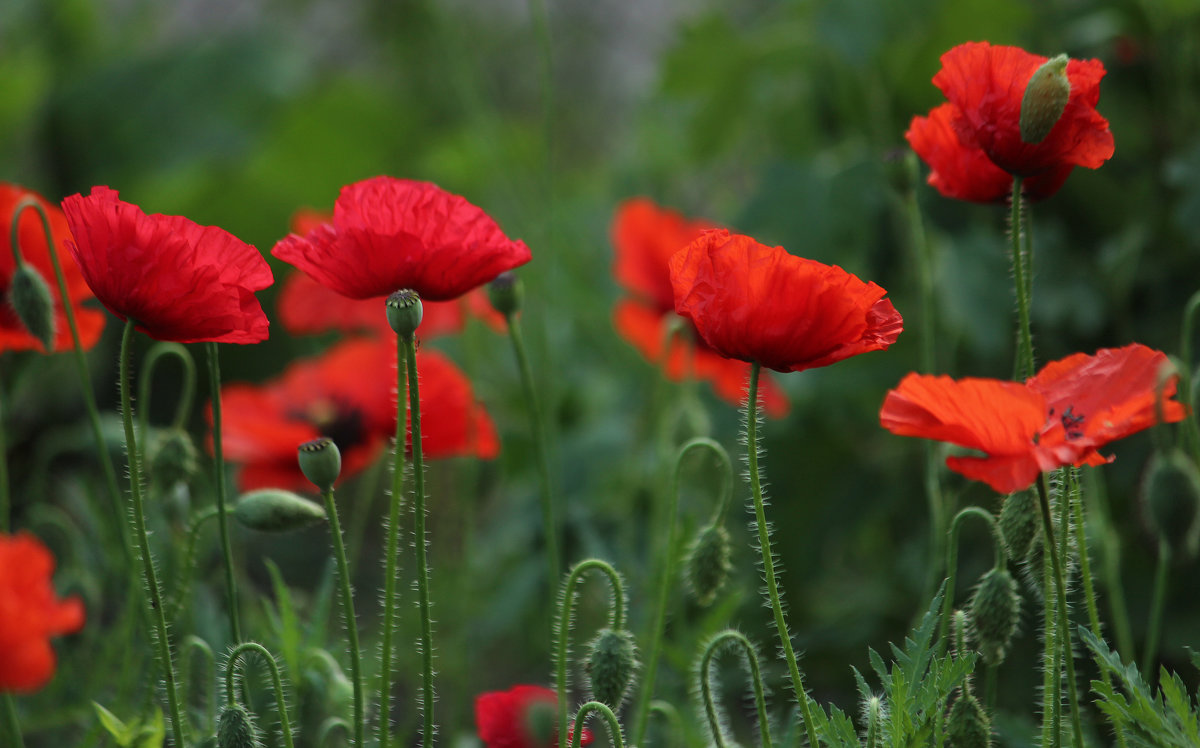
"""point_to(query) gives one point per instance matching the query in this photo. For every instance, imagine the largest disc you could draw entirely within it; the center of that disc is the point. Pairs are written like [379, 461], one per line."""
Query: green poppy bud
[995, 609]
[1045, 100]
[174, 458]
[1171, 501]
[708, 564]
[611, 662]
[31, 300]
[235, 729]
[321, 462]
[404, 312]
[506, 293]
[967, 725]
[276, 510]
[1019, 524]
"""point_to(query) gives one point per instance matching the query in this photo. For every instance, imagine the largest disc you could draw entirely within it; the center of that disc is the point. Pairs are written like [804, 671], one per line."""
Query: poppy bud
[1045, 100]
[967, 725]
[276, 510]
[506, 293]
[707, 565]
[174, 458]
[31, 300]
[541, 722]
[404, 312]
[235, 729]
[611, 661]
[1019, 525]
[1171, 500]
[995, 608]
[321, 462]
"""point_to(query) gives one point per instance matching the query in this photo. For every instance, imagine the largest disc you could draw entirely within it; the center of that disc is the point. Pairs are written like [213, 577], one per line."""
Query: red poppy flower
[348, 395]
[13, 335]
[388, 234]
[503, 718]
[1062, 416]
[645, 236]
[176, 279]
[760, 304]
[30, 614]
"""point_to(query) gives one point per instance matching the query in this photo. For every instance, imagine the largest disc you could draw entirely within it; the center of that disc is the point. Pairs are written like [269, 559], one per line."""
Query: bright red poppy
[389, 234]
[30, 614]
[503, 718]
[348, 395]
[176, 279]
[645, 237]
[1062, 416]
[760, 304]
[985, 85]
[32, 237]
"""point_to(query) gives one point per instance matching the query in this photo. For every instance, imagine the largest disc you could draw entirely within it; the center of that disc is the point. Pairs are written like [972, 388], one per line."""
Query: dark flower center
[1071, 422]
[338, 420]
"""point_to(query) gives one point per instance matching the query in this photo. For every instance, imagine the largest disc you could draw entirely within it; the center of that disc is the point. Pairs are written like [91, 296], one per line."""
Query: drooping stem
[667, 570]
[351, 621]
[422, 545]
[214, 380]
[750, 656]
[610, 721]
[1021, 281]
[1161, 572]
[1063, 623]
[138, 517]
[285, 725]
[195, 644]
[391, 561]
[768, 558]
[952, 563]
[565, 623]
[671, 716]
[187, 390]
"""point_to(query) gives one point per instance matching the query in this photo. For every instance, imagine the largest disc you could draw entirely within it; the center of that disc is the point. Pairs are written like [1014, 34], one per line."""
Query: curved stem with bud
[952, 562]
[610, 720]
[187, 390]
[750, 656]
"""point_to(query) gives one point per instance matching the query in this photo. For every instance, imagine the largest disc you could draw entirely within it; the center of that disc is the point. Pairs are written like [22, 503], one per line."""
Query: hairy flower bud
[235, 729]
[708, 563]
[1019, 525]
[995, 608]
[1171, 501]
[276, 510]
[31, 300]
[967, 725]
[173, 458]
[506, 293]
[612, 660]
[404, 312]
[321, 462]
[1045, 100]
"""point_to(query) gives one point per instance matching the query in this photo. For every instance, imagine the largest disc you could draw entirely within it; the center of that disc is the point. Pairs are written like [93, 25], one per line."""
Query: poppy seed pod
[995, 608]
[404, 312]
[1171, 501]
[506, 293]
[276, 510]
[967, 725]
[235, 729]
[174, 459]
[1019, 525]
[708, 563]
[1045, 100]
[320, 461]
[31, 300]
[611, 662]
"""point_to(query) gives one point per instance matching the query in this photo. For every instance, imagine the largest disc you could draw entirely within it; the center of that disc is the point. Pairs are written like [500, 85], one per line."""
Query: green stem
[1051, 666]
[768, 558]
[214, 379]
[196, 644]
[187, 391]
[327, 728]
[1063, 624]
[422, 544]
[351, 621]
[706, 690]
[565, 624]
[610, 720]
[138, 517]
[1191, 429]
[391, 561]
[285, 725]
[189, 561]
[667, 571]
[1161, 572]
[536, 425]
[671, 716]
[1025, 362]
[952, 564]
[13, 724]
[361, 511]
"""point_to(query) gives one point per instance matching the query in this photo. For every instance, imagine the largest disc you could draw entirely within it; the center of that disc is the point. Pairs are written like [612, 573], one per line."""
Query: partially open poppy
[1062, 416]
[389, 234]
[760, 304]
[176, 279]
[32, 238]
[521, 717]
[30, 614]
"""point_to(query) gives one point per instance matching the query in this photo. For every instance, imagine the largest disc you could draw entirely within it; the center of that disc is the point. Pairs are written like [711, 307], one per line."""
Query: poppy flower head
[389, 234]
[760, 304]
[644, 237]
[509, 719]
[176, 279]
[30, 614]
[32, 239]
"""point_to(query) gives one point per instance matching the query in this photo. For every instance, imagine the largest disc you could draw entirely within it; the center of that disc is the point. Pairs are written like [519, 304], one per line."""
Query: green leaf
[119, 730]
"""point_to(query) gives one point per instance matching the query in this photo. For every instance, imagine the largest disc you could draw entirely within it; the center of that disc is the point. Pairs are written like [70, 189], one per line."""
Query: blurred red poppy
[13, 335]
[30, 614]
[348, 395]
[389, 234]
[1062, 416]
[176, 279]
[644, 237]
[760, 304]
[514, 718]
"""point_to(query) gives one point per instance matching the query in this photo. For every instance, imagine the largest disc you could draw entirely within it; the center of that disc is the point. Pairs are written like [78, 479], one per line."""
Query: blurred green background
[782, 120]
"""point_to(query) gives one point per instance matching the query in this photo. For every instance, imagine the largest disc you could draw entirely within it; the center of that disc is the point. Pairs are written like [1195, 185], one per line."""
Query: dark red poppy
[32, 238]
[645, 237]
[348, 395]
[1062, 416]
[388, 234]
[30, 614]
[760, 304]
[176, 279]
[503, 718]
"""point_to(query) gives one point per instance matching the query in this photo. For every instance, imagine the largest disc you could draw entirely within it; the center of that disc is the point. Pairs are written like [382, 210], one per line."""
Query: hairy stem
[735, 638]
[351, 620]
[214, 379]
[392, 559]
[285, 725]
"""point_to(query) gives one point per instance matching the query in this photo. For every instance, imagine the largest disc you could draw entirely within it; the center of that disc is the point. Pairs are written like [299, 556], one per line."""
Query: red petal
[644, 236]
